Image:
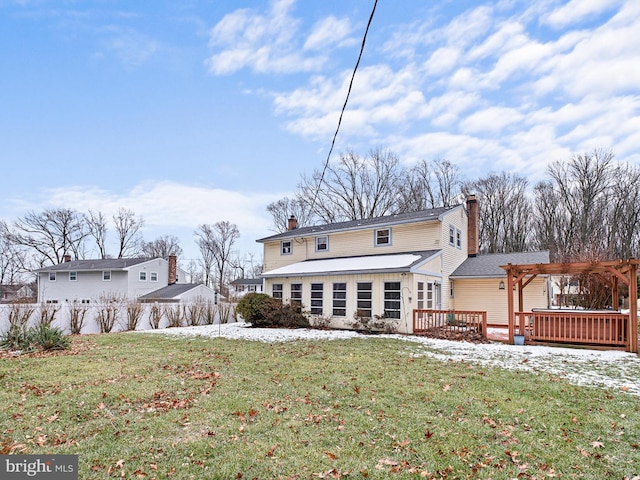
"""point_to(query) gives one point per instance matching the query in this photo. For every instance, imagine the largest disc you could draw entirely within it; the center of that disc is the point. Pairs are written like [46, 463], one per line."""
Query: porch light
[501, 286]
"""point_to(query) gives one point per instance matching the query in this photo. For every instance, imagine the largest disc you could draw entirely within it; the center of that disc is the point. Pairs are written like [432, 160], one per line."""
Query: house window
[85, 301]
[143, 276]
[430, 295]
[340, 299]
[452, 233]
[106, 275]
[383, 237]
[322, 244]
[458, 238]
[364, 298]
[52, 276]
[392, 299]
[73, 276]
[317, 290]
[420, 291]
[276, 291]
[51, 301]
[153, 276]
[286, 247]
[296, 295]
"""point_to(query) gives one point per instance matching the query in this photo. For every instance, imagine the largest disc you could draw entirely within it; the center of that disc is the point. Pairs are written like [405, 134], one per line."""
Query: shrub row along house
[383, 268]
[147, 280]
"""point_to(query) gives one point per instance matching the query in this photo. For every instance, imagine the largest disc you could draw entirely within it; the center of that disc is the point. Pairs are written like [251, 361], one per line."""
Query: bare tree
[284, 208]
[624, 235]
[354, 188]
[430, 185]
[52, 234]
[128, 230]
[207, 259]
[12, 257]
[577, 203]
[505, 212]
[219, 238]
[162, 247]
[97, 225]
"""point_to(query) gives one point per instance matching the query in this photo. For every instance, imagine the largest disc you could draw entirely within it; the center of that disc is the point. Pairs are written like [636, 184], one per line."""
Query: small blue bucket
[518, 339]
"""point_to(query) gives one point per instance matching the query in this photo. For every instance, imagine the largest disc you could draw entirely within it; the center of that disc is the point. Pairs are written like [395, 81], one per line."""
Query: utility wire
[346, 100]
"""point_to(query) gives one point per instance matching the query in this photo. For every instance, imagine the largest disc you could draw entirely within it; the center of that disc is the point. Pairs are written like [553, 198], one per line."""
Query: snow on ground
[611, 369]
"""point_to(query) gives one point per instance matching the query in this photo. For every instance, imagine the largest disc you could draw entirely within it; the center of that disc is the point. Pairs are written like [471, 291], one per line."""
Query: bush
[49, 338]
[42, 337]
[17, 337]
[261, 310]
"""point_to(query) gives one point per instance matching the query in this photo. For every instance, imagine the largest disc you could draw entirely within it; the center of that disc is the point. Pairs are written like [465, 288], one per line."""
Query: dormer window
[322, 244]
[382, 237]
[286, 247]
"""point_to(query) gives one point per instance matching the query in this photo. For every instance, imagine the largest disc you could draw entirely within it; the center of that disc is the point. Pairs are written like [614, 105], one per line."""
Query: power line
[346, 100]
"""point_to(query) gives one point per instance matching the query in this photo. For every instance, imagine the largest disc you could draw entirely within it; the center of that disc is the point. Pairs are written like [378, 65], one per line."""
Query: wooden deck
[429, 321]
[609, 329]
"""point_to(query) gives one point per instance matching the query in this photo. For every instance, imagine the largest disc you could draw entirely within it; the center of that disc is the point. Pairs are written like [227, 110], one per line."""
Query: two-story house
[385, 267]
[87, 281]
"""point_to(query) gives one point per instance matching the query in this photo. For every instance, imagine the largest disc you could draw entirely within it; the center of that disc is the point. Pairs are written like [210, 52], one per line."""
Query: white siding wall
[88, 286]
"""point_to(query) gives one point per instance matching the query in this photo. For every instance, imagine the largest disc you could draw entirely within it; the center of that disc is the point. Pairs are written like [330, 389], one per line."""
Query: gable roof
[388, 220]
[488, 266]
[95, 265]
[247, 281]
[392, 262]
[170, 291]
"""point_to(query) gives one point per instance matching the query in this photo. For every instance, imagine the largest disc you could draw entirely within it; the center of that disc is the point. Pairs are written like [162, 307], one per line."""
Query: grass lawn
[149, 406]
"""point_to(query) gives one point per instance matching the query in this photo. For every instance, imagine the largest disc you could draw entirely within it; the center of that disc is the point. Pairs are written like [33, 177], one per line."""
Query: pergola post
[633, 307]
[510, 304]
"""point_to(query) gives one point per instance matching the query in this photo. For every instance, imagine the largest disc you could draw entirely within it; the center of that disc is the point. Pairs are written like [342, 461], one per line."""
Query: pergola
[625, 271]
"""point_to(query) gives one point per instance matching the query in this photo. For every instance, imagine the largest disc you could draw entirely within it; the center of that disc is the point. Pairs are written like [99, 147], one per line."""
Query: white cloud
[328, 31]
[577, 10]
[271, 43]
[490, 120]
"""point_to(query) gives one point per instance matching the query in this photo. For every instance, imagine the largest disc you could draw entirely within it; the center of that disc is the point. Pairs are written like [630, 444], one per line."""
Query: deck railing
[594, 328]
[427, 321]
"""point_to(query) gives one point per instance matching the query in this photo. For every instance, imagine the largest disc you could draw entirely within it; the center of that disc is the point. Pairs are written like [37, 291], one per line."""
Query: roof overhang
[368, 264]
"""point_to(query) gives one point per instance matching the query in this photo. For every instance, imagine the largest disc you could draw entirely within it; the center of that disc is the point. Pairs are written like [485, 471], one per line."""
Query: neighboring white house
[181, 292]
[242, 286]
[386, 267]
[86, 281]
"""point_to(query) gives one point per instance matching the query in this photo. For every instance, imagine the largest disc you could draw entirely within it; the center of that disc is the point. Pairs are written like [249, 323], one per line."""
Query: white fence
[189, 314]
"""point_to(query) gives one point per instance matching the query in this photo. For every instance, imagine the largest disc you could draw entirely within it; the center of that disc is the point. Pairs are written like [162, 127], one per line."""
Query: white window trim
[140, 274]
[290, 252]
[52, 276]
[151, 275]
[452, 235]
[103, 275]
[459, 238]
[326, 243]
[75, 276]
[375, 237]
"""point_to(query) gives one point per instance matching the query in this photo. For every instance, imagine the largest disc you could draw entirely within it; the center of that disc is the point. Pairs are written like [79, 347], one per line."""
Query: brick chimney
[66, 258]
[293, 223]
[173, 269]
[473, 226]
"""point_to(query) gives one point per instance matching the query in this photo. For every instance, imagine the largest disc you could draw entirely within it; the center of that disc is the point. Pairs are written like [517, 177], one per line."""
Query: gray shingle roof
[98, 264]
[489, 265]
[170, 291]
[421, 216]
[247, 281]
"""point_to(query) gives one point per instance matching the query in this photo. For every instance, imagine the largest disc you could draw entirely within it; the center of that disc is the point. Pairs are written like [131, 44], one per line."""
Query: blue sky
[200, 111]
